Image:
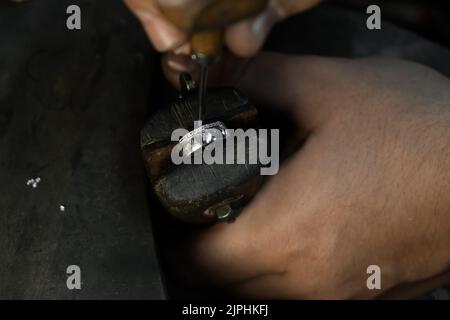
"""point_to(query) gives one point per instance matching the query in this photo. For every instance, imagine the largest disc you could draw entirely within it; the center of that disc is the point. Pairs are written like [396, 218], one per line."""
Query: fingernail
[180, 63]
[262, 25]
[163, 34]
[184, 49]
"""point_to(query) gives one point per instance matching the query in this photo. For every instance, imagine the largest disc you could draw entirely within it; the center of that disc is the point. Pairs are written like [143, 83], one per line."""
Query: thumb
[304, 86]
[307, 87]
[248, 249]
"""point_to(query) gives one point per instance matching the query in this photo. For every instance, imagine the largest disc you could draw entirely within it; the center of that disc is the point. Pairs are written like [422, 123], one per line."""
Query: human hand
[244, 39]
[369, 187]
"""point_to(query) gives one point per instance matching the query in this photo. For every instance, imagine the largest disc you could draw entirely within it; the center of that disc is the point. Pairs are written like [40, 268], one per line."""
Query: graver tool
[202, 193]
[204, 21]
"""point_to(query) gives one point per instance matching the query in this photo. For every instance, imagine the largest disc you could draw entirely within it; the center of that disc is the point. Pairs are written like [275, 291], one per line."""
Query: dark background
[429, 18]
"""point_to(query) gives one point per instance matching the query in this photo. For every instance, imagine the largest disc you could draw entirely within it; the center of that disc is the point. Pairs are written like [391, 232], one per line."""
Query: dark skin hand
[244, 39]
[371, 185]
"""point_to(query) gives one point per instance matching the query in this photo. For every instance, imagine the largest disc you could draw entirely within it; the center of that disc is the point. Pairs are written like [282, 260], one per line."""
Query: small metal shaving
[33, 182]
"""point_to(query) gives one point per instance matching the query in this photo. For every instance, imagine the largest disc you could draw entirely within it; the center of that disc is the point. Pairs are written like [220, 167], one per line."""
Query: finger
[173, 64]
[306, 86]
[311, 88]
[290, 7]
[257, 244]
[230, 253]
[185, 49]
[246, 38]
[254, 247]
[163, 34]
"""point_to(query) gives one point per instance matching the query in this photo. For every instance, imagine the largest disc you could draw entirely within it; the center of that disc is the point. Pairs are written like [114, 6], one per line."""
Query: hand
[244, 39]
[369, 187]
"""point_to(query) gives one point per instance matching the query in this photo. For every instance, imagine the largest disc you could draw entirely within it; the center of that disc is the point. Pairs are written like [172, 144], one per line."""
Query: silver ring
[203, 136]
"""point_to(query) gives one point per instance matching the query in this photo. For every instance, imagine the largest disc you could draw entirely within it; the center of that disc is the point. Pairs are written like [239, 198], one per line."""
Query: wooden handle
[205, 20]
[207, 43]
